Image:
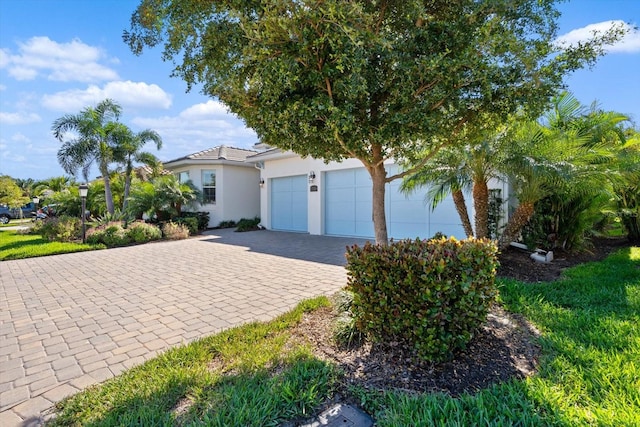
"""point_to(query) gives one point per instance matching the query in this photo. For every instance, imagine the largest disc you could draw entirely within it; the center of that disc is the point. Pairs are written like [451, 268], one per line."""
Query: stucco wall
[240, 193]
[237, 191]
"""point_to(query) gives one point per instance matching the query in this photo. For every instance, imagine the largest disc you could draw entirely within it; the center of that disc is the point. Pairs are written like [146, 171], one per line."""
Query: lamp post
[35, 201]
[83, 189]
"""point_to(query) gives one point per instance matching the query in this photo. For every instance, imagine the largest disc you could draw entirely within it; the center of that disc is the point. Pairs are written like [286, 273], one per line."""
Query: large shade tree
[372, 80]
[86, 141]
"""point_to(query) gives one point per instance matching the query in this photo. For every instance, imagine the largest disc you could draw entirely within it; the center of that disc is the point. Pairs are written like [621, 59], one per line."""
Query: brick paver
[70, 321]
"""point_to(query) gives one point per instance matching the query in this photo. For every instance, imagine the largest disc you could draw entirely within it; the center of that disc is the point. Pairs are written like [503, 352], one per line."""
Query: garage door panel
[348, 208]
[289, 203]
[362, 178]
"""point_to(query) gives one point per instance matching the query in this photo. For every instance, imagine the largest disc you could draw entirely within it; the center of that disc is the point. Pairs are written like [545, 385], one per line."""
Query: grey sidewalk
[70, 321]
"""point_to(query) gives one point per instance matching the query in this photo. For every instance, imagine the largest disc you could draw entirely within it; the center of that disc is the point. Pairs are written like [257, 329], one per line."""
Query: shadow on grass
[262, 397]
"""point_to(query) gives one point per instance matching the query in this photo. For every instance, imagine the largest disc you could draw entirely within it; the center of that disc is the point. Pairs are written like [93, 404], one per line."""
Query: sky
[60, 56]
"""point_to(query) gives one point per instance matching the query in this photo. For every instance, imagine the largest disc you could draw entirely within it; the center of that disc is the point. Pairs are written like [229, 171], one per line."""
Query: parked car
[7, 214]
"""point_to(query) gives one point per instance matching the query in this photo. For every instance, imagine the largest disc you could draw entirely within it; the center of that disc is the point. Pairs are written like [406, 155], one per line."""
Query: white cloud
[18, 118]
[73, 61]
[198, 127]
[629, 44]
[18, 137]
[125, 93]
[3, 87]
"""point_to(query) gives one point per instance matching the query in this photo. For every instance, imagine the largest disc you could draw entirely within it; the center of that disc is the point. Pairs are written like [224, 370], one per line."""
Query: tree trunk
[518, 220]
[378, 177]
[108, 196]
[127, 188]
[481, 205]
[461, 207]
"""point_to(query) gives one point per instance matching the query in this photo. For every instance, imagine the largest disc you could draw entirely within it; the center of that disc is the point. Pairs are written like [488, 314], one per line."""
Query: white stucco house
[228, 183]
[308, 195]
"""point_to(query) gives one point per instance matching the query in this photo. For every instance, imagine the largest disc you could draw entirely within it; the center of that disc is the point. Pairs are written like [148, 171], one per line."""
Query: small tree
[10, 194]
[374, 81]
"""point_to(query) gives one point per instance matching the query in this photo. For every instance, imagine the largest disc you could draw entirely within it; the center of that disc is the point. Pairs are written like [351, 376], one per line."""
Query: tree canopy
[372, 80]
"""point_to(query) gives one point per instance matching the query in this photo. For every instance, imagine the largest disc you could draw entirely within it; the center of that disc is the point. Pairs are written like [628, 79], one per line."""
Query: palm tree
[52, 185]
[453, 171]
[127, 146]
[90, 142]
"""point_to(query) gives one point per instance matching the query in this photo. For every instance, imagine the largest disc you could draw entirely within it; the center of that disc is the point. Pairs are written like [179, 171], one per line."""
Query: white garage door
[348, 209]
[289, 203]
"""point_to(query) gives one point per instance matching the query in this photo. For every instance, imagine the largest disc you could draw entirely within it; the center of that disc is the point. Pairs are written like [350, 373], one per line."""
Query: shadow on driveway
[302, 246]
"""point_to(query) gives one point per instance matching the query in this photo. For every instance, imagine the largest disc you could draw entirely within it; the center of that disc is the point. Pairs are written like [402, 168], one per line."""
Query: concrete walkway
[70, 321]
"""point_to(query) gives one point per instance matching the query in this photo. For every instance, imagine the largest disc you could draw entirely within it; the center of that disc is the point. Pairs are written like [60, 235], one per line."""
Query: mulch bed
[504, 347]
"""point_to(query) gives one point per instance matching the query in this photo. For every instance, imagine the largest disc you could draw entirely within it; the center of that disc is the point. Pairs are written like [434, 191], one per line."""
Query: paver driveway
[69, 321]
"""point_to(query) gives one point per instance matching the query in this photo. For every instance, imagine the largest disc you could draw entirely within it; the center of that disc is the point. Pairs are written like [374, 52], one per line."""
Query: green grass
[14, 245]
[14, 222]
[589, 369]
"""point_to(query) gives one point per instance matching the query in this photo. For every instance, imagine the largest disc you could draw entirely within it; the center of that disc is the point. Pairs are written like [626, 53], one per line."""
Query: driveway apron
[70, 321]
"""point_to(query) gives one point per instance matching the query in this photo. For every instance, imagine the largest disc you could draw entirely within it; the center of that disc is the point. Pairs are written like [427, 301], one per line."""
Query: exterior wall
[237, 191]
[240, 192]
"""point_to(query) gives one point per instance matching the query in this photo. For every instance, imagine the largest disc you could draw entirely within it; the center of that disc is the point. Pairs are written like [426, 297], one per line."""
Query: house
[229, 185]
[308, 195]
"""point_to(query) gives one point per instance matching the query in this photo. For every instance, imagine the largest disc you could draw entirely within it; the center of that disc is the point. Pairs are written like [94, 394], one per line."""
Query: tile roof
[221, 152]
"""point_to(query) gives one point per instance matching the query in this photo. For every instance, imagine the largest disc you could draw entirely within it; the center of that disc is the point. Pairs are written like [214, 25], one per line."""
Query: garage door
[348, 209]
[289, 203]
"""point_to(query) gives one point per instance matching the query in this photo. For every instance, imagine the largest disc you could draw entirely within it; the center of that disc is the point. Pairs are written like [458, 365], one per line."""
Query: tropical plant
[88, 142]
[626, 185]
[127, 151]
[587, 139]
[96, 201]
[162, 198]
[373, 81]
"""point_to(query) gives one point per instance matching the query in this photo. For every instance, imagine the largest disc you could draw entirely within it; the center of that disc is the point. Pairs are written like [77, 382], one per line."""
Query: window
[209, 186]
[182, 177]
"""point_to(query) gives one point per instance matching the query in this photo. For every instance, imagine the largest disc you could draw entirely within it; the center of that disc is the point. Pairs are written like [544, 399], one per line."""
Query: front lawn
[14, 245]
[589, 369]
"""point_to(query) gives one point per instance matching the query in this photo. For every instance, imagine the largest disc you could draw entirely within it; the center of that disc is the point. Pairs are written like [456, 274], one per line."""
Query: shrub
[115, 235]
[191, 224]
[227, 224]
[429, 294]
[140, 232]
[111, 234]
[58, 229]
[201, 217]
[174, 231]
[248, 224]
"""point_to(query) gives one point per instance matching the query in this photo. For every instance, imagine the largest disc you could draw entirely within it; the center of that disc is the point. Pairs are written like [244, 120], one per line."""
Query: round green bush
[141, 232]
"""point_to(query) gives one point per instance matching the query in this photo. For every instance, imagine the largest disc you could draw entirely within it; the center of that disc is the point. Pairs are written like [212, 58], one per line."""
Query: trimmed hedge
[246, 224]
[430, 294]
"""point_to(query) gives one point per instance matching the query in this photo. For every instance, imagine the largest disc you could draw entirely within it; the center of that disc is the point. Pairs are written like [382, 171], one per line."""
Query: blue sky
[59, 56]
